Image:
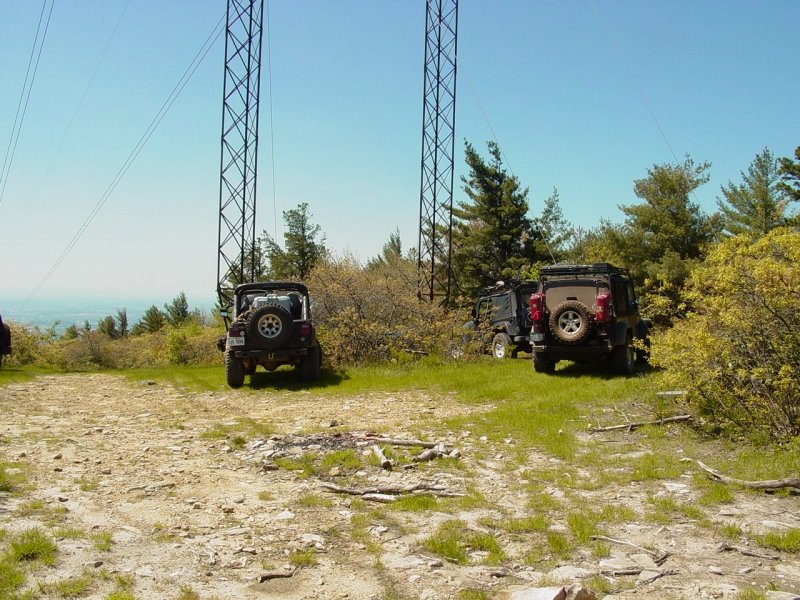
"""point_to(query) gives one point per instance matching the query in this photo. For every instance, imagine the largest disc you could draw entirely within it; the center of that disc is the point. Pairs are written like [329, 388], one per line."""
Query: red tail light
[602, 307]
[537, 307]
[305, 329]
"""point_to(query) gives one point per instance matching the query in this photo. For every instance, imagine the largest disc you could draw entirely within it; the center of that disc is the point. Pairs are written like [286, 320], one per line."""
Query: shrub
[367, 315]
[738, 354]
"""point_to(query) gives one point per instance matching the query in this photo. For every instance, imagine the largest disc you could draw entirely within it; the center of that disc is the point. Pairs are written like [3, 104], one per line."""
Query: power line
[80, 102]
[25, 97]
[162, 112]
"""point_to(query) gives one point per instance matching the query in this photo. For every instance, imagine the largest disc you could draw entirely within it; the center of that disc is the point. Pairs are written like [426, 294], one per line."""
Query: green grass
[32, 545]
[303, 558]
[415, 503]
[314, 501]
[11, 577]
[785, 541]
[538, 523]
[303, 465]
[583, 525]
[73, 587]
[187, 593]
[102, 540]
[238, 432]
[347, 460]
[119, 595]
[454, 540]
[751, 594]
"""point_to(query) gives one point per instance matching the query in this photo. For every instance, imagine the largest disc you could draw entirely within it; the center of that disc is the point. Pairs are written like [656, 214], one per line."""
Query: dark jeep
[502, 316]
[5, 340]
[271, 327]
[586, 313]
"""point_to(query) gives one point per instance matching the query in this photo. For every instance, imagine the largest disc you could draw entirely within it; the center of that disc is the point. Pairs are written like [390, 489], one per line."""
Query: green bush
[738, 353]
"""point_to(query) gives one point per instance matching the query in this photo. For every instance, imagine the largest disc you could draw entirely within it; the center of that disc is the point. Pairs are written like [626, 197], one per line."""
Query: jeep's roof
[271, 285]
[596, 268]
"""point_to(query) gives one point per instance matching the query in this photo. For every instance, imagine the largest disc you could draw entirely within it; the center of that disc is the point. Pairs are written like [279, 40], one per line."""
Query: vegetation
[738, 353]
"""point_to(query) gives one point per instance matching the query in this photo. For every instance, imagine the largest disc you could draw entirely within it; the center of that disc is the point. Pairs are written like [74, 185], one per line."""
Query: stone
[715, 570]
[615, 565]
[285, 515]
[540, 593]
[569, 573]
[645, 561]
[773, 595]
[647, 576]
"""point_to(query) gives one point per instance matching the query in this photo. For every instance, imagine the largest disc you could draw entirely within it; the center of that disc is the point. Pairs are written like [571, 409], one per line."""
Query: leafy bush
[367, 315]
[738, 354]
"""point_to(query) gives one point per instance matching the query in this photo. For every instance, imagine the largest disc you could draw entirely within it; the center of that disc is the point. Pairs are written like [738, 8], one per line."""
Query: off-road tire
[310, 365]
[234, 370]
[501, 346]
[270, 326]
[623, 358]
[643, 354]
[542, 364]
[569, 322]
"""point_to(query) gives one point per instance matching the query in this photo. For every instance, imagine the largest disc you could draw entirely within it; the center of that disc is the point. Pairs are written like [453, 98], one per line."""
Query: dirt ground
[188, 511]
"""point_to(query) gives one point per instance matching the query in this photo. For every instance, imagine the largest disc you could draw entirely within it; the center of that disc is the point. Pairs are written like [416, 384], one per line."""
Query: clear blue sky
[561, 85]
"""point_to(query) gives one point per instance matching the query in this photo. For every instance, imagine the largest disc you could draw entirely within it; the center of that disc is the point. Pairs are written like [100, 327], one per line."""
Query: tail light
[305, 329]
[602, 312]
[537, 310]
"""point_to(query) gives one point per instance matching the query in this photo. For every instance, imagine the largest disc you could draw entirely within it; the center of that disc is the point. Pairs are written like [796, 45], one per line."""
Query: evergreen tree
[553, 231]
[152, 320]
[108, 327]
[391, 253]
[255, 266]
[177, 312]
[492, 235]
[757, 205]
[122, 322]
[302, 250]
[790, 176]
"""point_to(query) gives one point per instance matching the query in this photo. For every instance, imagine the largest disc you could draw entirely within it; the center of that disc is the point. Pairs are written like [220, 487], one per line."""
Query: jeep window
[622, 301]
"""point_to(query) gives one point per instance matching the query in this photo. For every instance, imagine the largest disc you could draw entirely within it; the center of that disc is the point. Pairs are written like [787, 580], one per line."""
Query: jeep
[503, 314]
[271, 327]
[587, 313]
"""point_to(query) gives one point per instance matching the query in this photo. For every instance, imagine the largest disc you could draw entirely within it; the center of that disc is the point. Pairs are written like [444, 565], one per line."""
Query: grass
[785, 541]
[314, 501]
[102, 540]
[238, 432]
[303, 558]
[454, 540]
[11, 476]
[72, 587]
[32, 545]
[347, 460]
[187, 593]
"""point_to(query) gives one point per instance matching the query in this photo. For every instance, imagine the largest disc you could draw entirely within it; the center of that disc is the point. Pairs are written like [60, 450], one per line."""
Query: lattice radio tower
[239, 157]
[438, 147]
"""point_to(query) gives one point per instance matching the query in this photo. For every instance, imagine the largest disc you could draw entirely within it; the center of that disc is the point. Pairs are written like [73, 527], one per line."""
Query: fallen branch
[725, 547]
[382, 460]
[767, 485]
[655, 576]
[275, 575]
[400, 442]
[632, 426]
[437, 451]
[658, 557]
[391, 491]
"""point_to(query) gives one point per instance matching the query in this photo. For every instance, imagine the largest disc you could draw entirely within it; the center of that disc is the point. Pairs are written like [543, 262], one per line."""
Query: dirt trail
[184, 510]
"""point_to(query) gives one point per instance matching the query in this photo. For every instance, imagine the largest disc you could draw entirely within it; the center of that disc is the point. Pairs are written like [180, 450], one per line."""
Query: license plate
[236, 341]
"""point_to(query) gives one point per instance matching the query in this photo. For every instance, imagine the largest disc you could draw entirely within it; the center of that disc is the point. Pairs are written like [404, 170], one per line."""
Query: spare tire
[569, 322]
[269, 326]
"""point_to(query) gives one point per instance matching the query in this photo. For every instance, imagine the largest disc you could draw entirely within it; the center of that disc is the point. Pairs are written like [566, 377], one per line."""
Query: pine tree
[757, 205]
[302, 250]
[492, 235]
[790, 176]
[177, 312]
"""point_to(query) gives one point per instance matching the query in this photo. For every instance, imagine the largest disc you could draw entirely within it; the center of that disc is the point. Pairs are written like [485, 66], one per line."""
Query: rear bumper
[282, 355]
[596, 349]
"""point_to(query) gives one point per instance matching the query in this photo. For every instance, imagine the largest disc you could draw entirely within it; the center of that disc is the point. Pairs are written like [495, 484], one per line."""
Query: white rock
[568, 573]
[285, 515]
[773, 595]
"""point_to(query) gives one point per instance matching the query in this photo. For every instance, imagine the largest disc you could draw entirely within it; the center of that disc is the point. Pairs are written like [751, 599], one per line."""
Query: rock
[538, 593]
[645, 561]
[285, 515]
[227, 509]
[238, 500]
[105, 472]
[646, 576]
[616, 565]
[58, 456]
[63, 499]
[335, 472]
[569, 573]
[577, 592]
[145, 571]
[772, 595]
[715, 570]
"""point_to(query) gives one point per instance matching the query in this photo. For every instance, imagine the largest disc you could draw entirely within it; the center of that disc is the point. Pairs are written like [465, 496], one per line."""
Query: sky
[581, 95]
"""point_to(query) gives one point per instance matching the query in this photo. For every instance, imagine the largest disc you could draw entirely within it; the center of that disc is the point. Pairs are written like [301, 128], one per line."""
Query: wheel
[569, 322]
[234, 370]
[309, 368]
[542, 364]
[270, 326]
[643, 354]
[623, 358]
[501, 346]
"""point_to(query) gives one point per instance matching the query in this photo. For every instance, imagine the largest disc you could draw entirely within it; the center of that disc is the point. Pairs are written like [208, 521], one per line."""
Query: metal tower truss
[438, 147]
[239, 157]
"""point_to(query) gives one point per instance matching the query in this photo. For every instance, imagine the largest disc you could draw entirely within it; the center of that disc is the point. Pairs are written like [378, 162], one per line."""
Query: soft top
[294, 286]
[598, 268]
